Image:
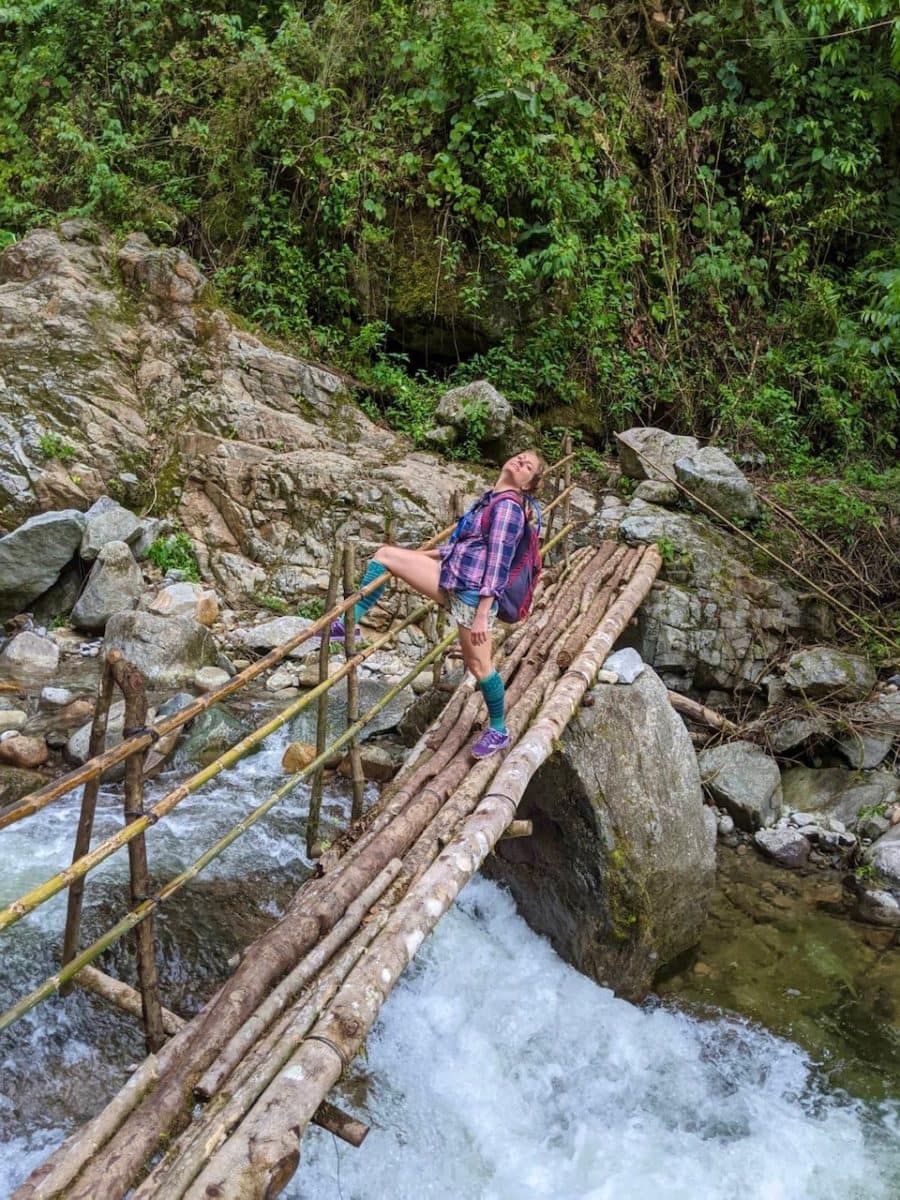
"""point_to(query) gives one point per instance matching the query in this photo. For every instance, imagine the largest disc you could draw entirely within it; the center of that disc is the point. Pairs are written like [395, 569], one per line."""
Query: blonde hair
[537, 479]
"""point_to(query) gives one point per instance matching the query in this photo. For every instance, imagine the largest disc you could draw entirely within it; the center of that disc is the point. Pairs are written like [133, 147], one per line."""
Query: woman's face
[522, 468]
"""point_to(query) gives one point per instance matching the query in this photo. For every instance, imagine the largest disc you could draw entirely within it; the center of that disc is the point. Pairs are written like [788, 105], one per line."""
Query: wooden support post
[551, 509]
[131, 683]
[313, 849]
[341, 1124]
[567, 483]
[96, 746]
[357, 778]
[517, 829]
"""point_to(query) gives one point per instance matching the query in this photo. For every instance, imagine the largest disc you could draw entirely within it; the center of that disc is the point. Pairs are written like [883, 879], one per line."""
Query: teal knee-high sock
[373, 571]
[495, 698]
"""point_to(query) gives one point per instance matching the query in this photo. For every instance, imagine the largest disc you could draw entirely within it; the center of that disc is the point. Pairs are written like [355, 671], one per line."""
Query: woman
[466, 576]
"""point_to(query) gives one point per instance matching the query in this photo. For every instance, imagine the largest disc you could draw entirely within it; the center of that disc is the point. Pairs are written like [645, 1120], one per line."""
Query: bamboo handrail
[95, 767]
[33, 899]
[144, 910]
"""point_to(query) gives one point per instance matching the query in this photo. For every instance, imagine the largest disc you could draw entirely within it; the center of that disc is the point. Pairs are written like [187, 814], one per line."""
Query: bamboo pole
[132, 919]
[38, 895]
[86, 818]
[274, 1126]
[358, 782]
[313, 850]
[131, 684]
[123, 996]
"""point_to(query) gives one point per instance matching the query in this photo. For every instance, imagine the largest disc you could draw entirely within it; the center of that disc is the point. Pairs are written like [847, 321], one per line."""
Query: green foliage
[311, 609]
[51, 445]
[830, 508]
[272, 603]
[174, 552]
[690, 222]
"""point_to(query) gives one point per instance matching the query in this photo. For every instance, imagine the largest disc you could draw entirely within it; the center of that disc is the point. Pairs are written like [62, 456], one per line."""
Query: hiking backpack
[514, 602]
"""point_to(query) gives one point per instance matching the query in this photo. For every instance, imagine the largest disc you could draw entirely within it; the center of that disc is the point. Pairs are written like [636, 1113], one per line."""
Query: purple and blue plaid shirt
[473, 561]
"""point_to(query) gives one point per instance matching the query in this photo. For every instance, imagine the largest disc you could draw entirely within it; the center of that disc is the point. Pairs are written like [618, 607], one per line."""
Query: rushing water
[495, 1072]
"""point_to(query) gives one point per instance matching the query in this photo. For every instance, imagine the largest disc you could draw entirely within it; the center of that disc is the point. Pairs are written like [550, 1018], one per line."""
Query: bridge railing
[141, 736]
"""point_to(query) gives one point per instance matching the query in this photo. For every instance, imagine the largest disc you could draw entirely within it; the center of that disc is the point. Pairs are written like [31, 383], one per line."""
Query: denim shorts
[462, 606]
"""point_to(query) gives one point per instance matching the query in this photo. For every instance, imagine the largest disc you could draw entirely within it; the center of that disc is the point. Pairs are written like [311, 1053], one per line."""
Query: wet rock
[297, 755]
[618, 870]
[651, 453]
[28, 655]
[884, 856]
[825, 671]
[712, 476]
[787, 847]
[378, 763]
[189, 600]
[21, 751]
[32, 557]
[208, 679]
[174, 704]
[878, 906]
[743, 779]
[168, 651]
[107, 521]
[837, 792]
[114, 585]
[211, 734]
[16, 782]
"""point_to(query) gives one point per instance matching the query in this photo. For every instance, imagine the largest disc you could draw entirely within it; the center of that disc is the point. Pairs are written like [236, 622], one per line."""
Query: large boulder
[29, 655]
[713, 478]
[114, 585]
[618, 871]
[837, 792]
[107, 521]
[477, 405]
[168, 651]
[827, 671]
[652, 453]
[32, 557]
[743, 779]
[711, 620]
[190, 600]
[884, 855]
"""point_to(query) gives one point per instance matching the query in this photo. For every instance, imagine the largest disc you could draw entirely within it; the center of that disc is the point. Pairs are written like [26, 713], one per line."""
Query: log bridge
[219, 1106]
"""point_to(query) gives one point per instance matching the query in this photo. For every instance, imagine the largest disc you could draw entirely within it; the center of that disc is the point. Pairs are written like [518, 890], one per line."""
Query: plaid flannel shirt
[481, 563]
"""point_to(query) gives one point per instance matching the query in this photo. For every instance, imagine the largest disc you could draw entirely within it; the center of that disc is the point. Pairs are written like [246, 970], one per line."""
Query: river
[496, 1071]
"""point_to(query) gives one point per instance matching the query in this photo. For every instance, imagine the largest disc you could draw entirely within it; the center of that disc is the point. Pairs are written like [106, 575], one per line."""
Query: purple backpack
[514, 602]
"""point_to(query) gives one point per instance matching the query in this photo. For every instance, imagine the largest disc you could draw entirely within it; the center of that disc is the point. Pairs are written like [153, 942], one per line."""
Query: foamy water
[496, 1072]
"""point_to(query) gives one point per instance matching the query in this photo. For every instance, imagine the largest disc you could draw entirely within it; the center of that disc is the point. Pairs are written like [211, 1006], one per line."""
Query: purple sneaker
[338, 631]
[489, 743]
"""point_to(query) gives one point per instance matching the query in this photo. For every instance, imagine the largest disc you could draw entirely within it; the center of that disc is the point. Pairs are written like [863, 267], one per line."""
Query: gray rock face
[710, 621]
[712, 476]
[107, 521]
[837, 792]
[651, 453]
[168, 651]
[787, 847]
[744, 780]
[884, 855]
[32, 557]
[29, 655]
[455, 409]
[618, 871]
[827, 671]
[875, 728]
[114, 585]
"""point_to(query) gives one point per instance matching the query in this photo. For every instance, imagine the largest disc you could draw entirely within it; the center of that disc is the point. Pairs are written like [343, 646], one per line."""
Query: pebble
[56, 697]
[21, 751]
[208, 679]
[12, 718]
[725, 825]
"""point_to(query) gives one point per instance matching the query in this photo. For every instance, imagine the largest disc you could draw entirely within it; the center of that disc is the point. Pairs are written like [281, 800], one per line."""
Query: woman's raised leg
[414, 567]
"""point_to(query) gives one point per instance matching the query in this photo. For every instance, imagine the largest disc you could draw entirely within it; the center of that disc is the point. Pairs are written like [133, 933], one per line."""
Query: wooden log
[357, 778]
[131, 683]
[315, 792]
[700, 713]
[621, 564]
[518, 829]
[96, 744]
[341, 1124]
[263, 1153]
[123, 996]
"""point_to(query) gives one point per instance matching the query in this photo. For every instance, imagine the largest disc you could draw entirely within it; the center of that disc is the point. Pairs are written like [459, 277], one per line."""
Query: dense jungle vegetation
[619, 213]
